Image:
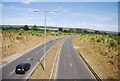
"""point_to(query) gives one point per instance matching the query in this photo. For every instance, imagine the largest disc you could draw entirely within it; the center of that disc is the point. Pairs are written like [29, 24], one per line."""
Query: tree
[79, 30]
[97, 32]
[26, 27]
[119, 34]
[60, 29]
[34, 27]
[71, 30]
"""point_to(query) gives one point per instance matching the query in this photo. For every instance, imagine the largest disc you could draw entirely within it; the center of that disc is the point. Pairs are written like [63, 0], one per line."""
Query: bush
[113, 43]
[20, 33]
[99, 40]
[57, 34]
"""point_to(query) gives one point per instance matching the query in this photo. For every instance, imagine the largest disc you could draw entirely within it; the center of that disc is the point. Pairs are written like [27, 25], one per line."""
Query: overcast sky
[91, 15]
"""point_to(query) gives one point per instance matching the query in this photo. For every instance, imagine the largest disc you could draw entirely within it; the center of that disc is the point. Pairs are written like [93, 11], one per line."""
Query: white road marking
[28, 58]
[68, 55]
[37, 52]
[70, 64]
[12, 72]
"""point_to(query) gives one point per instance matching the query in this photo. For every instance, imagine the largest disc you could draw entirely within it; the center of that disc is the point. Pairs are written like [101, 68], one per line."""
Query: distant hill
[28, 25]
[92, 30]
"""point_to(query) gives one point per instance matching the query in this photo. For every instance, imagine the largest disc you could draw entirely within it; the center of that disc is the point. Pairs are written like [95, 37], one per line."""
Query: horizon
[66, 27]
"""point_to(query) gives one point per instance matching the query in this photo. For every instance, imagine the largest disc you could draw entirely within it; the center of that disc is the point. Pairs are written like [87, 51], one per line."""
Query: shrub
[99, 40]
[113, 43]
[57, 34]
[20, 33]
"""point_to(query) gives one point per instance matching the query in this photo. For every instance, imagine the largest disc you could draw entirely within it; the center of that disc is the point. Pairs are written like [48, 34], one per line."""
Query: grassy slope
[100, 55]
[18, 42]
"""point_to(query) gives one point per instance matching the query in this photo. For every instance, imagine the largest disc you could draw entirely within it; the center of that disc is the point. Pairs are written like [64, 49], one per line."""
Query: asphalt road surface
[8, 71]
[70, 66]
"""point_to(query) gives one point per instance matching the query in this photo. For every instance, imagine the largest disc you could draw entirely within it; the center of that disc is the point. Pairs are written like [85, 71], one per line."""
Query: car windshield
[19, 67]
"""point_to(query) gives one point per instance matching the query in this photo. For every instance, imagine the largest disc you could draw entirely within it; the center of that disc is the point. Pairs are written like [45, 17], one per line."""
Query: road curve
[8, 71]
[70, 66]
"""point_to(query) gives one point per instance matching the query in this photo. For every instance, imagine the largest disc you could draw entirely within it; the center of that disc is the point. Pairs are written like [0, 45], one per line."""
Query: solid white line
[12, 72]
[29, 75]
[84, 63]
[70, 64]
[54, 63]
[56, 71]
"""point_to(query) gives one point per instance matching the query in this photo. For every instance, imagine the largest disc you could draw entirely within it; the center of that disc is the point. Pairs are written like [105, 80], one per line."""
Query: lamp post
[45, 18]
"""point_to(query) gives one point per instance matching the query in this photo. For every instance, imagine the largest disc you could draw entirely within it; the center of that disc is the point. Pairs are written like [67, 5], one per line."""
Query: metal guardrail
[91, 69]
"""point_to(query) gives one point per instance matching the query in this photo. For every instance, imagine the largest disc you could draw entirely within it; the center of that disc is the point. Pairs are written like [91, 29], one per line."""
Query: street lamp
[45, 13]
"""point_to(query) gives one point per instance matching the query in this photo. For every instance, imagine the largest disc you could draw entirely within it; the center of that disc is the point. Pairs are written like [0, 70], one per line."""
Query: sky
[92, 15]
[60, 0]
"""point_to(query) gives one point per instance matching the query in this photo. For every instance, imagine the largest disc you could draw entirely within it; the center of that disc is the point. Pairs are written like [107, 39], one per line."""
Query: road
[8, 71]
[70, 66]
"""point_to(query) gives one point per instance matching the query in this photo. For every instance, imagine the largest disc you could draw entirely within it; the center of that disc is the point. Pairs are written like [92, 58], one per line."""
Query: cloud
[1, 4]
[102, 18]
[62, 9]
[27, 1]
[22, 20]
[98, 17]
[102, 27]
[17, 8]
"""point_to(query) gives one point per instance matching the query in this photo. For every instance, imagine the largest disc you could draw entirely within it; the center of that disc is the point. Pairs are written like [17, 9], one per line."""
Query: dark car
[51, 40]
[22, 68]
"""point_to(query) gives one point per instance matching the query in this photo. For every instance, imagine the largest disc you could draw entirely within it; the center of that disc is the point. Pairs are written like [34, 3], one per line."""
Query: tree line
[26, 27]
[64, 30]
[85, 31]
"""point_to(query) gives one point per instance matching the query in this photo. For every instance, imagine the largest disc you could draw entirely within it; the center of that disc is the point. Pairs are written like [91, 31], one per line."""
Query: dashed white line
[68, 55]
[12, 72]
[28, 58]
[70, 64]
[37, 52]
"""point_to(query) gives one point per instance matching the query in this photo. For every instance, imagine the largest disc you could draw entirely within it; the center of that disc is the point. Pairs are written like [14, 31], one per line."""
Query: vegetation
[26, 27]
[34, 28]
[101, 50]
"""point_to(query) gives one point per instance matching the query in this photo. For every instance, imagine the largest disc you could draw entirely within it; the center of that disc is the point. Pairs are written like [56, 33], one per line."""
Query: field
[101, 52]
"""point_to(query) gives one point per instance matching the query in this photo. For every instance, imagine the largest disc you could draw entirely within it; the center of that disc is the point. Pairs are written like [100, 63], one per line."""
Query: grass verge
[50, 59]
[100, 57]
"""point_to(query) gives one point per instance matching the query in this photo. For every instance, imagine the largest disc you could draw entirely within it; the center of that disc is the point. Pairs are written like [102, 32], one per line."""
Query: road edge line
[51, 73]
[30, 74]
[55, 75]
[94, 74]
